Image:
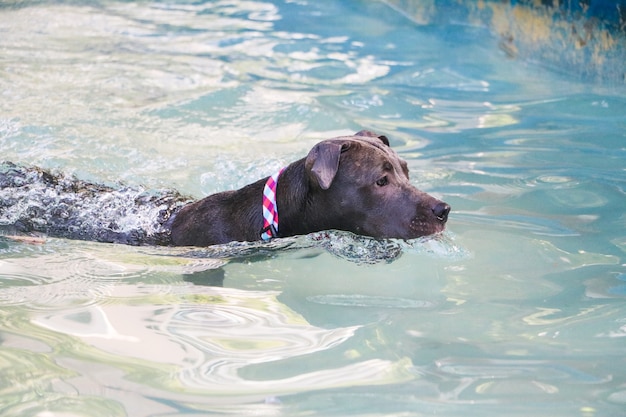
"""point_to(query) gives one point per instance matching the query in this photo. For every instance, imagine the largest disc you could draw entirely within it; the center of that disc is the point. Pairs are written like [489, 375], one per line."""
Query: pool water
[517, 309]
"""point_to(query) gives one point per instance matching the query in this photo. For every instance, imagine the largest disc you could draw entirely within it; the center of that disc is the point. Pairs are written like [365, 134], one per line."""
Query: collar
[270, 208]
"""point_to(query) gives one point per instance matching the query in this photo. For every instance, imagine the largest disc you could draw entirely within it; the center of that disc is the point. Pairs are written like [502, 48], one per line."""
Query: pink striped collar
[270, 208]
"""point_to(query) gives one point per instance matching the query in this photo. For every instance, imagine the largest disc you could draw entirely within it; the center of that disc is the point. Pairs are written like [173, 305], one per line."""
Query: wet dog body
[352, 183]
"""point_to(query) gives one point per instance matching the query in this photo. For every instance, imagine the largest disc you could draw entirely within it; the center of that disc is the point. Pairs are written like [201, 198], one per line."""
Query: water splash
[35, 200]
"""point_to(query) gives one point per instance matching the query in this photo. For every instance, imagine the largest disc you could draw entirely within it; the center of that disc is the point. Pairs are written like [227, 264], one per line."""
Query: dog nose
[441, 211]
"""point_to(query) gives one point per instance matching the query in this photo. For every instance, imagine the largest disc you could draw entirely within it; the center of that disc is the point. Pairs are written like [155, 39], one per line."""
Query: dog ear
[322, 162]
[370, 134]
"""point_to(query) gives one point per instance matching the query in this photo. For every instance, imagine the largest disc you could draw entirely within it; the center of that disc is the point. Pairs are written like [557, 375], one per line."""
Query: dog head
[364, 188]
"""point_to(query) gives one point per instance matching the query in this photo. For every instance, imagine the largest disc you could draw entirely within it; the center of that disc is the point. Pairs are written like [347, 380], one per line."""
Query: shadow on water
[356, 249]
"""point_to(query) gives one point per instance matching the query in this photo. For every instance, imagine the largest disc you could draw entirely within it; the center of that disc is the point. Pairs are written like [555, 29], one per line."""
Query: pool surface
[517, 309]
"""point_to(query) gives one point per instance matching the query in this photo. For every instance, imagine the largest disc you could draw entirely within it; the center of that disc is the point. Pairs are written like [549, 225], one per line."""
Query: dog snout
[441, 211]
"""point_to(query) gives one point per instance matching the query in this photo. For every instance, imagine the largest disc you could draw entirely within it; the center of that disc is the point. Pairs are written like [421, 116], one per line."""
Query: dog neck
[299, 215]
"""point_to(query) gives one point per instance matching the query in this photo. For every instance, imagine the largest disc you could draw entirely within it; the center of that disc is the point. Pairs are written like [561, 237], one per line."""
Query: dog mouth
[420, 227]
[429, 223]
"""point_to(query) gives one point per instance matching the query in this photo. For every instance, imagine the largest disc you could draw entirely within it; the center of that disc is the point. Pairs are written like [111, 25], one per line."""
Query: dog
[352, 183]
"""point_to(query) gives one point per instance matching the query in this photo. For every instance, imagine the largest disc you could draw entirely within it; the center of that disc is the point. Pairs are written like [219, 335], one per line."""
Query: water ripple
[56, 279]
[212, 334]
[355, 300]
[62, 272]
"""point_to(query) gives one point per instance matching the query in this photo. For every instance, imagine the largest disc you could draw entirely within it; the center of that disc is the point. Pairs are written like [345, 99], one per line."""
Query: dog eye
[382, 181]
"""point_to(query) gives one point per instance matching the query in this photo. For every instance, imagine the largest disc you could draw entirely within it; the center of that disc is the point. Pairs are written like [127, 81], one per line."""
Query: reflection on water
[184, 340]
[208, 335]
[516, 309]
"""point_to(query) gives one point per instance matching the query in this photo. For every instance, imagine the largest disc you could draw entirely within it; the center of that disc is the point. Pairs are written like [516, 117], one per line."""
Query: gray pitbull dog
[352, 183]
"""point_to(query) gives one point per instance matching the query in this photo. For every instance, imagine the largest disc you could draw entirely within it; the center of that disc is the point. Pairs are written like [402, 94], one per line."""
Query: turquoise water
[517, 309]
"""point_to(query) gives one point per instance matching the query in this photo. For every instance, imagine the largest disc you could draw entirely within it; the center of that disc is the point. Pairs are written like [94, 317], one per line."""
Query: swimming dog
[353, 183]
